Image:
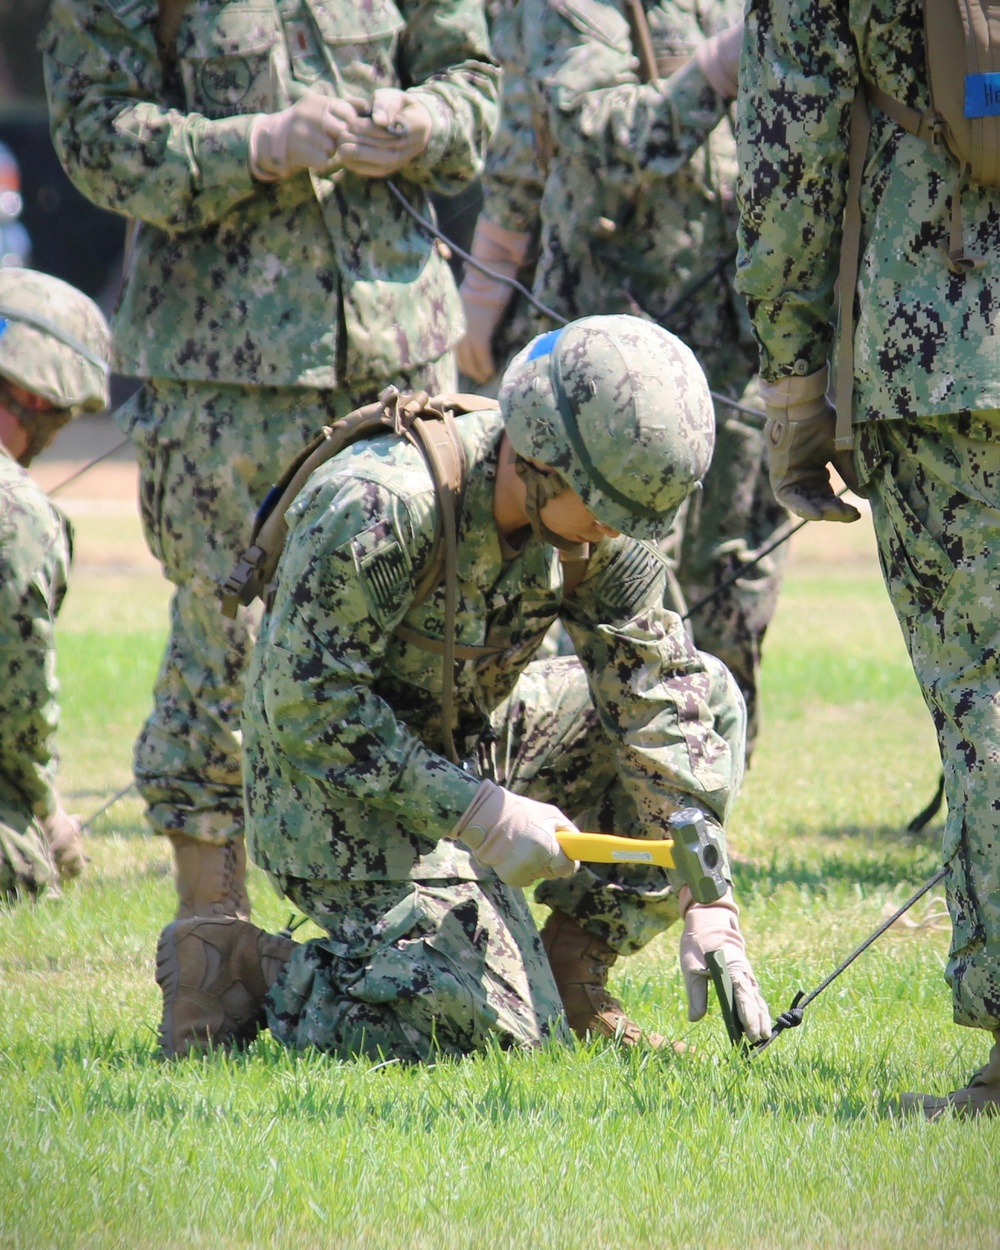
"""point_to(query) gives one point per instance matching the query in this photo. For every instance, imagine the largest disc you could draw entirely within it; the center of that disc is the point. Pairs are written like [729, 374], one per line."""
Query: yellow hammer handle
[607, 848]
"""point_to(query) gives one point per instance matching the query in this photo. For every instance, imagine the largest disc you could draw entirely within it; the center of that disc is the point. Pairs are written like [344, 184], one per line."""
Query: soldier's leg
[935, 494]
[550, 746]
[733, 516]
[207, 455]
[411, 970]
[26, 866]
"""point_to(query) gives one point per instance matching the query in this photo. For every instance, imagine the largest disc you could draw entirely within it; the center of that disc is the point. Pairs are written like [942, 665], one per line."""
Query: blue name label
[982, 95]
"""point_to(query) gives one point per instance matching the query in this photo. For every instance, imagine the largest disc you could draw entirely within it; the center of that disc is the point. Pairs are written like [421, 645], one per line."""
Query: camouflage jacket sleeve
[798, 78]
[34, 559]
[514, 178]
[445, 55]
[598, 111]
[674, 714]
[179, 169]
[125, 151]
[347, 577]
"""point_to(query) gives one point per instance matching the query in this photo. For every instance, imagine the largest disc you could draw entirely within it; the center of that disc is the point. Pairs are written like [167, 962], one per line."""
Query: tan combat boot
[980, 1097]
[580, 964]
[211, 880]
[214, 974]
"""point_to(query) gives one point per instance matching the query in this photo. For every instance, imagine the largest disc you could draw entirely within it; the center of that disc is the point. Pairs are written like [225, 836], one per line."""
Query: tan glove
[712, 927]
[800, 431]
[304, 136]
[395, 131]
[485, 299]
[514, 836]
[719, 60]
[62, 832]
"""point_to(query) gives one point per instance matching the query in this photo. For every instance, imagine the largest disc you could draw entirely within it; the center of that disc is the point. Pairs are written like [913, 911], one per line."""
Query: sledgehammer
[696, 852]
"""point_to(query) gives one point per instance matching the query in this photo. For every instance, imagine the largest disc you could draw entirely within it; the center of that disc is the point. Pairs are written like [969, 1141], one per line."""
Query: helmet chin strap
[540, 486]
[38, 424]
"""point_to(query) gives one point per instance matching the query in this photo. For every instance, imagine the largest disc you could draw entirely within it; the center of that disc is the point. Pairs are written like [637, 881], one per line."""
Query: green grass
[105, 1146]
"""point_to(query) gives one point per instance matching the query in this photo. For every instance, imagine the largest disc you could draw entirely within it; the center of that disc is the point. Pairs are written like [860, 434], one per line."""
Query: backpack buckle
[241, 585]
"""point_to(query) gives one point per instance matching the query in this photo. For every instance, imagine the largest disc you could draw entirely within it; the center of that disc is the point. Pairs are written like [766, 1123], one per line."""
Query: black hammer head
[699, 854]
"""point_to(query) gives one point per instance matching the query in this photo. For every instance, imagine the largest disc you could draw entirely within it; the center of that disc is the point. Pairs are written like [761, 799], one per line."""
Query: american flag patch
[384, 577]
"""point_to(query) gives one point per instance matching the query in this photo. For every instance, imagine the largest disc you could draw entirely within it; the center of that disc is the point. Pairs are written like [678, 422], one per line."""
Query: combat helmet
[54, 340]
[621, 409]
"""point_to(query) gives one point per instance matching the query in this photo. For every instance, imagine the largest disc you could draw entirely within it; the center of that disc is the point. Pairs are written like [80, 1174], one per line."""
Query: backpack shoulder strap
[254, 570]
[430, 425]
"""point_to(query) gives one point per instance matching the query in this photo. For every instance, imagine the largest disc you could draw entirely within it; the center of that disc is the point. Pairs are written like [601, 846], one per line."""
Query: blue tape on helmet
[4, 323]
[544, 345]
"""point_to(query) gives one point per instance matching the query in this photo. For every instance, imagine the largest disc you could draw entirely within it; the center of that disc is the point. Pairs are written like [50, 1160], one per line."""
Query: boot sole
[168, 979]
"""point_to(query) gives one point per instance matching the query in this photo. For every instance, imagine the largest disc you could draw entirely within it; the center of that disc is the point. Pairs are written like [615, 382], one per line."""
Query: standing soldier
[273, 284]
[618, 172]
[410, 860]
[54, 348]
[925, 389]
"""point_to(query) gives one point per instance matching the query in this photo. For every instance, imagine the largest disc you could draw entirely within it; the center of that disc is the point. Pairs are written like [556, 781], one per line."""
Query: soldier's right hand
[800, 445]
[514, 836]
[304, 136]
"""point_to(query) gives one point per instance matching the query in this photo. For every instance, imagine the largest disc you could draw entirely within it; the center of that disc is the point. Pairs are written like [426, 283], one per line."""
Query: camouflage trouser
[26, 867]
[734, 515]
[934, 487]
[411, 966]
[413, 969]
[207, 457]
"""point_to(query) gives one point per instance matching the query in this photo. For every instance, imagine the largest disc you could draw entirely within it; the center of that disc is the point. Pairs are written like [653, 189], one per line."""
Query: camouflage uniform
[350, 799]
[35, 546]
[54, 347]
[258, 311]
[630, 189]
[926, 386]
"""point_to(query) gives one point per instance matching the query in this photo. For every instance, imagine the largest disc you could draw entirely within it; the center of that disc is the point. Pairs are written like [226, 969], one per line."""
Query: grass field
[106, 1146]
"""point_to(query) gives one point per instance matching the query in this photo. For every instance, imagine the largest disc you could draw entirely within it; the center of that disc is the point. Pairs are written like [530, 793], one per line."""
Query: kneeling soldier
[413, 863]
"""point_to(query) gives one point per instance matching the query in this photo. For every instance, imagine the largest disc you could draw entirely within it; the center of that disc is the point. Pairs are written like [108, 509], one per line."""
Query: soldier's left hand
[395, 131]
[62, 832]
[712, 927]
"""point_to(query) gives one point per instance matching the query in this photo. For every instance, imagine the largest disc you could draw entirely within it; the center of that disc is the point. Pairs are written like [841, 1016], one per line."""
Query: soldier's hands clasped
[800, 445]
[712, 927]
[393, 131]
[514, 836]
[304, 136]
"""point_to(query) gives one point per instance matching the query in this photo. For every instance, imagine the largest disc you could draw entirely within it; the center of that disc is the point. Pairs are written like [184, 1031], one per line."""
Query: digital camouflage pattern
[35, 547]
[258, 310]
[637, 214]
[638, 203]
[53, 340]
[935, 503]
[923, 334]
[311, 281]
[207, 456]
[634, 469]
[345, 780]
[926, 388]
[413, 970]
